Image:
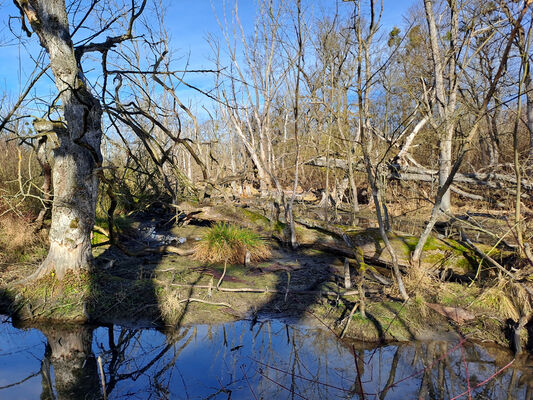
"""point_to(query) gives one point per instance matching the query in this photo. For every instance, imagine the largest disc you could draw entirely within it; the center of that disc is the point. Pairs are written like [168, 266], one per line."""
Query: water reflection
[68, 350]
[238, 361]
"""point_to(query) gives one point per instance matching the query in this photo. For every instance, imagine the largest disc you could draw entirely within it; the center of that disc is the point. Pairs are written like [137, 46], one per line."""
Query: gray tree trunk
[78, 155]
[529, 109]
[445, 104]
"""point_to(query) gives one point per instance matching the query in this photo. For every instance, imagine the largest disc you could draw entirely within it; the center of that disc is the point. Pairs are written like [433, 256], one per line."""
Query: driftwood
[193, 300]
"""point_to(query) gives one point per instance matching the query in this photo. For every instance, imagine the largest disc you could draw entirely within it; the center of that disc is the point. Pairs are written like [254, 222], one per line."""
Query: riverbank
[167, 290]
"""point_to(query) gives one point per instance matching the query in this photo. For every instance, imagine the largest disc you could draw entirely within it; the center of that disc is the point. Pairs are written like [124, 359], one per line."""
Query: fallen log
[399, 172]
[340, 247]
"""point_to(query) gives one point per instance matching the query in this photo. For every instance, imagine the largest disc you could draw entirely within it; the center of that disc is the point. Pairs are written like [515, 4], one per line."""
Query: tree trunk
[445, 104]
[529, 108]
[78, 155]
[445, 163]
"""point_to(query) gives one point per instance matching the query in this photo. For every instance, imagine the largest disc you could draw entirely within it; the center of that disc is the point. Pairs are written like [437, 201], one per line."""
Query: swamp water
[267, 360]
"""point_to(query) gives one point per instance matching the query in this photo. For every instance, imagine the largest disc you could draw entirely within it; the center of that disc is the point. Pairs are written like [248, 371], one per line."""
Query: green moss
[279, 227]
[51, 299]
[74, 223]
[432, 243]
[256, 217]
[465, 263]
[387, 321]
[433, 258]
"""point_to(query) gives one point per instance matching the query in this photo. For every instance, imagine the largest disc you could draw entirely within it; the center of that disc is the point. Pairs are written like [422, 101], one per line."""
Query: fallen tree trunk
[340, 247]
[488, 179]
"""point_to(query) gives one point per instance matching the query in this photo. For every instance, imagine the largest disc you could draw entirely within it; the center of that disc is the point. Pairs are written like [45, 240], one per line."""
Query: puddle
[270, 360]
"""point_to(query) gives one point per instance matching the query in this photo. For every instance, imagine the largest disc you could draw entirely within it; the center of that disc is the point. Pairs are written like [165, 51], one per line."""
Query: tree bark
[529, 108]
[78, 155]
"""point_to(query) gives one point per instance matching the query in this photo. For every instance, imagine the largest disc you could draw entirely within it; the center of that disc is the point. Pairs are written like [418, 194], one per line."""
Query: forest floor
[456, 294]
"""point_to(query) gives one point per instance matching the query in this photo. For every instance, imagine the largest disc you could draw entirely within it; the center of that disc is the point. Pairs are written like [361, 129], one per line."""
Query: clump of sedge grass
[508, 299]
[230, 243]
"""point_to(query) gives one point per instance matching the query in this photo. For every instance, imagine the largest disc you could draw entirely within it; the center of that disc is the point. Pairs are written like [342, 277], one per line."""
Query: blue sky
[188, 23]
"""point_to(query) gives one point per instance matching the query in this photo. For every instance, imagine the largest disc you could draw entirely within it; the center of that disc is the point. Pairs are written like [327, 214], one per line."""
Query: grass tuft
[230, 243]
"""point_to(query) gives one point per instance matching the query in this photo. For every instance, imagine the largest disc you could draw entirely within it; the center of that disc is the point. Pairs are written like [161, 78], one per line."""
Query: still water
[271, 359]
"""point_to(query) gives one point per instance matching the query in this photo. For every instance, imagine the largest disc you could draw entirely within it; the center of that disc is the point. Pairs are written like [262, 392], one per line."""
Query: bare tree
[468, 141]
[364, 36]
[446, 99]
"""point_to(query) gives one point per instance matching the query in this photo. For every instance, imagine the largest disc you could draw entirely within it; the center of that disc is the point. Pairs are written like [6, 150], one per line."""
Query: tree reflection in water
[240, 361]
[69, 351]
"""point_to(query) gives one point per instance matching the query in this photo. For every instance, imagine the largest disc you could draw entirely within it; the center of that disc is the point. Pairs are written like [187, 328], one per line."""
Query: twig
[102, 377]
[486, 380]
[194, 300]
[248, 382]
[354, 309]
[223, 274]
[21, 381]
[288, 285]
[466, 373]
[301, 377]
[260, 372]
[268, 290]
[355, 358]
[494, 263]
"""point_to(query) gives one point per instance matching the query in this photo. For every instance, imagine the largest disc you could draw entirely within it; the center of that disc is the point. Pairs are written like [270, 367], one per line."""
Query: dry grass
[170, 305]
[18, 240]
[19, 167]
[418, 280]
[507, 298]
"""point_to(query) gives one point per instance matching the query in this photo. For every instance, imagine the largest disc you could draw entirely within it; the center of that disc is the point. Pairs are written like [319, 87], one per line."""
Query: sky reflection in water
[271, 360]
